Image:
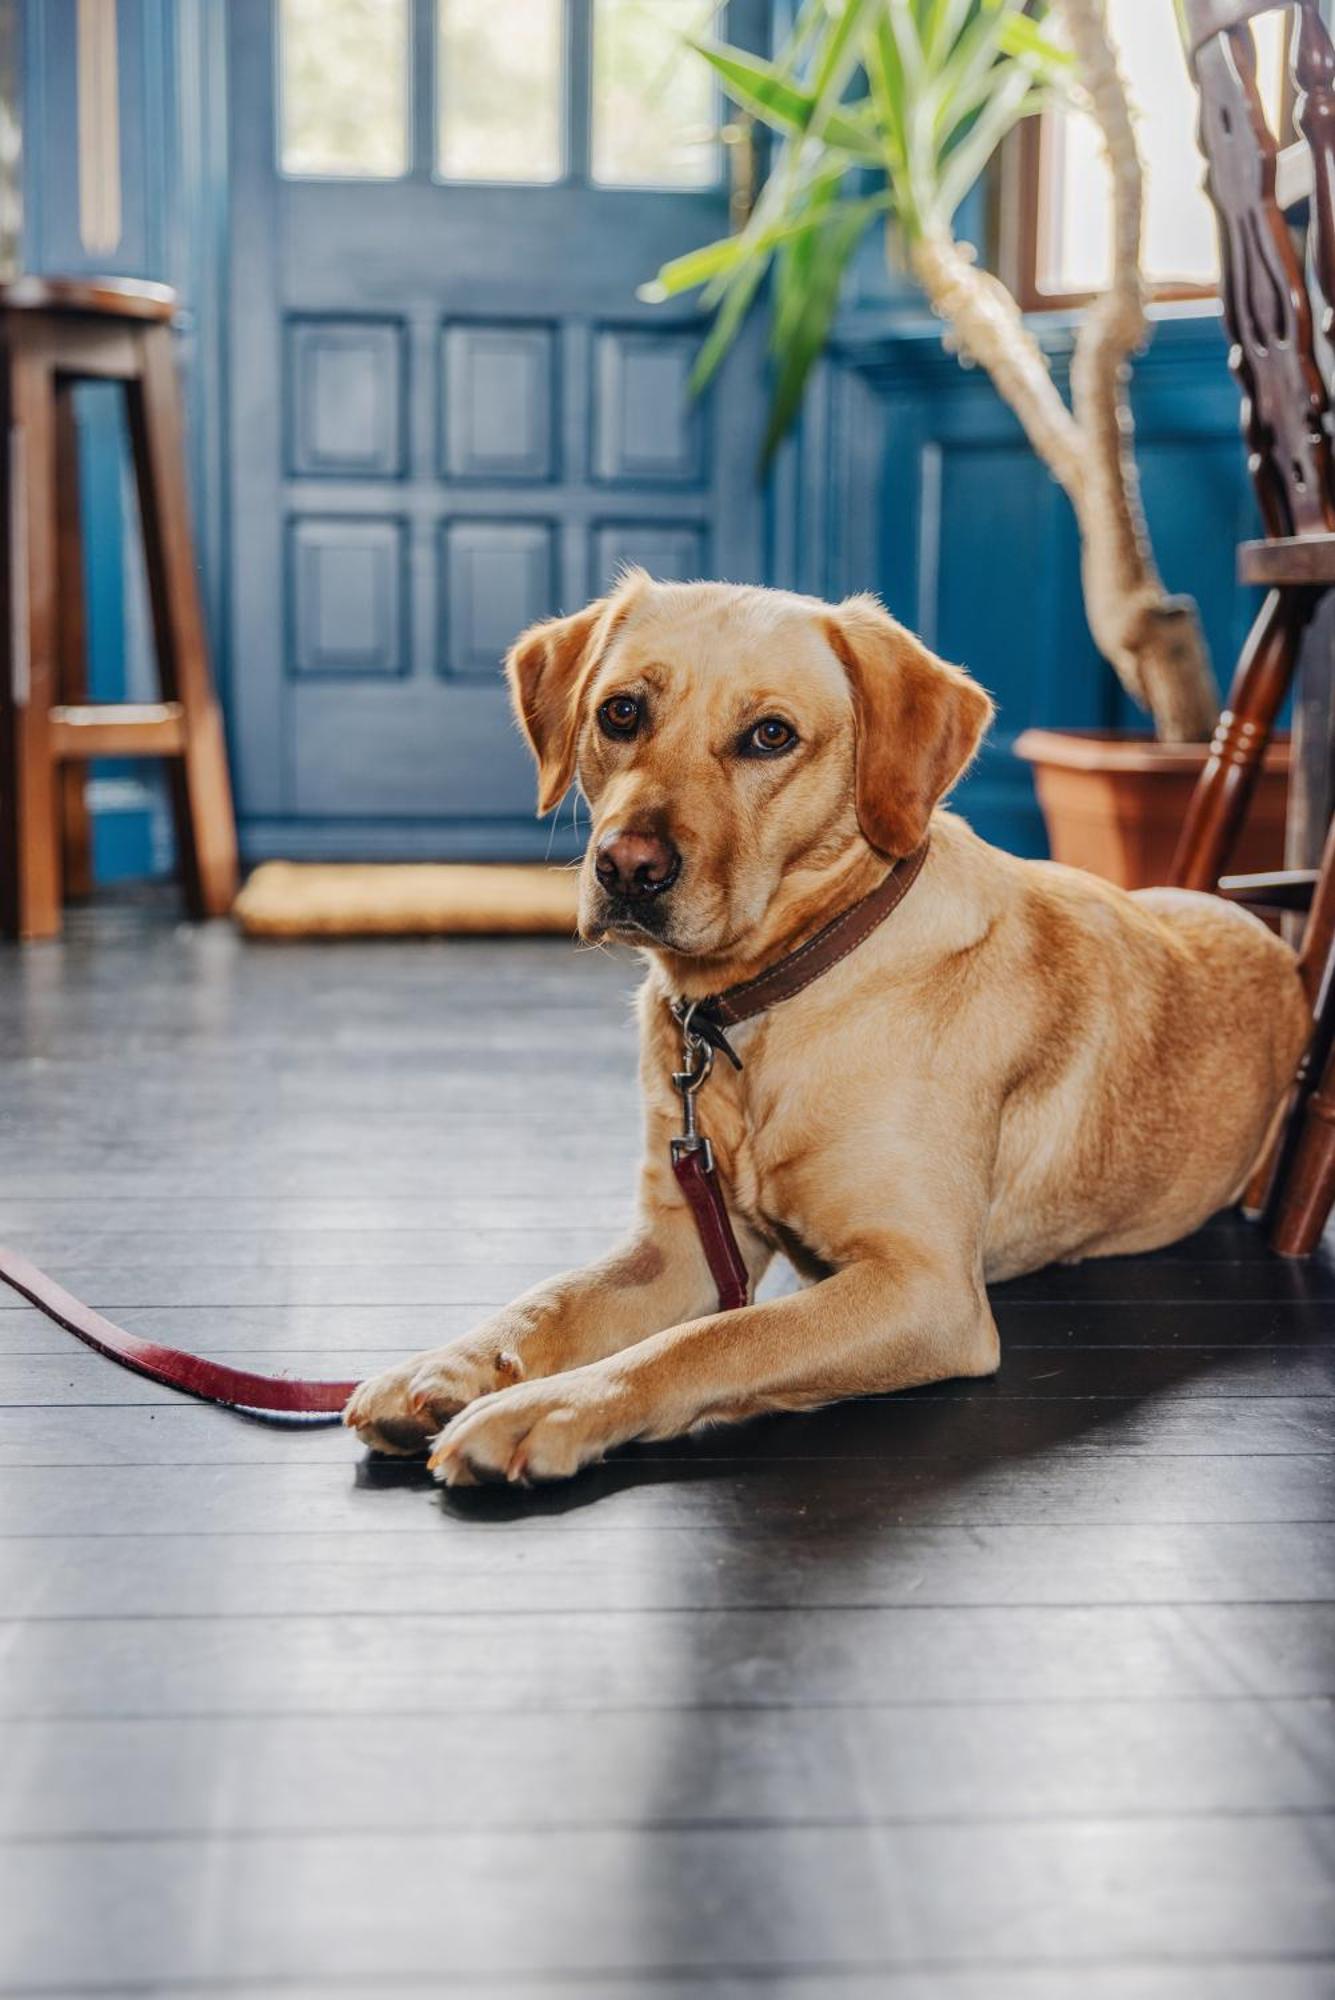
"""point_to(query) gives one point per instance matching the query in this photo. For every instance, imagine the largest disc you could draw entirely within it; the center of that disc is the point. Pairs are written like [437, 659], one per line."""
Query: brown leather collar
[702, 1030]
[711, 1016]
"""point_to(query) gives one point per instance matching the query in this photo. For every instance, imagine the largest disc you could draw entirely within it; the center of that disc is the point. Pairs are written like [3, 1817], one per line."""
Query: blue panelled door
[449, 414]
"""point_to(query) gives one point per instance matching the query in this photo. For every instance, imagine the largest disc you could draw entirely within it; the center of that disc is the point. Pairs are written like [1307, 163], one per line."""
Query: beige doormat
[291, 899]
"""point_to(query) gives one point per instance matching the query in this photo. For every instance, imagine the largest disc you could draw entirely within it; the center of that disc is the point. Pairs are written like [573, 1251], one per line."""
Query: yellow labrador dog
[1021, 1064]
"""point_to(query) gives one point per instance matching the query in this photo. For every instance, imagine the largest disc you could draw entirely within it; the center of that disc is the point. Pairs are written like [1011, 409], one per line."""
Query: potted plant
[884, 114]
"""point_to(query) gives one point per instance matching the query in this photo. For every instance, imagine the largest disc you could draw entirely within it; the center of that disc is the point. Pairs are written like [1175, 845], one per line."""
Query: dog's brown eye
[620, 716]
[769, 737]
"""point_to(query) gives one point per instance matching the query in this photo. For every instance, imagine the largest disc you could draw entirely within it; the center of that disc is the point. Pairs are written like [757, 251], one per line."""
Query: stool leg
[76, 828]
[1223, 792]
[201, 788]
[29, 858]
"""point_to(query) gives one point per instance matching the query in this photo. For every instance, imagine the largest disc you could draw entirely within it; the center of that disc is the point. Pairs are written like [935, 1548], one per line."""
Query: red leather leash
[703, 1024]
[273, 1396]
[697, 1177]
[282, 1397]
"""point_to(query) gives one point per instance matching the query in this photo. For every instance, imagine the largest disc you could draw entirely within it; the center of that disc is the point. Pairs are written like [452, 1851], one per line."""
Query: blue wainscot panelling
[910, 477]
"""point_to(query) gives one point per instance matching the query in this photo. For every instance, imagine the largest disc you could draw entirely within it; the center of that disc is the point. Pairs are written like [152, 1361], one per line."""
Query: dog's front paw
[402, 1409]
[540, 1430]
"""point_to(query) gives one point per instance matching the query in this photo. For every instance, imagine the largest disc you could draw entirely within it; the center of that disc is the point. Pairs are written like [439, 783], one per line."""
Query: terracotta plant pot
[1114, 803]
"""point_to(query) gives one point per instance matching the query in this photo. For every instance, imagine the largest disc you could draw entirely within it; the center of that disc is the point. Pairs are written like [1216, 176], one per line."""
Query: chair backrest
[1267, 306]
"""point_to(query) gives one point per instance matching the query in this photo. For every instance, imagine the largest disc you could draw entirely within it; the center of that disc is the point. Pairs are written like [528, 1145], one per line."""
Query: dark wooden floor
[1007, 1691]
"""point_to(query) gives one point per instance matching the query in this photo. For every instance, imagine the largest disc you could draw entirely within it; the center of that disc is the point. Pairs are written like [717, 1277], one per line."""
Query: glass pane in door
[344, 87]
[501, 71]
[655, 109]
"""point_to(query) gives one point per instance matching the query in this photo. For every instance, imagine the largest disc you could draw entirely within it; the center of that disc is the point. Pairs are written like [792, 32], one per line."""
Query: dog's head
[727, 738]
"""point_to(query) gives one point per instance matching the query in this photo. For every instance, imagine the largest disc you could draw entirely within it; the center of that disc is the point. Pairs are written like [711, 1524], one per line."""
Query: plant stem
[984, 326]
[1153, 642]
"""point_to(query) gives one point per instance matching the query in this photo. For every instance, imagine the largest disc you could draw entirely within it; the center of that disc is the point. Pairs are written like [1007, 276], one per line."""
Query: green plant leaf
[1018, 35]
[783, 103]
[727, 324]
[903, 24]
[1015, 98]
[946, 80]
[964, 79]
[697, 267]
[840, 56]
[812, 16]
[813, 280]
[885, 74]
[941, 22]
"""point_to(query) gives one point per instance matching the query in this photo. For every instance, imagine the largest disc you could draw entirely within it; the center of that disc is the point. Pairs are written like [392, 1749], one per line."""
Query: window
[353, 105]
[343, 68]
[500, 68]
[655, 111]
[1060, 193]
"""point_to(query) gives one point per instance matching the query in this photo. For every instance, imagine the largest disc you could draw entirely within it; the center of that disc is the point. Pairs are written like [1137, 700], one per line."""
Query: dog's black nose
[636, 864]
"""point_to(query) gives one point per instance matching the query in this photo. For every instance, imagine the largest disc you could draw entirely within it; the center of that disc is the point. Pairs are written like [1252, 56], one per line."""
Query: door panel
[646, 429]
[345, 587]
[499, 577]
[451, 416]
[499, 402]
[673, 553]
[345, 400]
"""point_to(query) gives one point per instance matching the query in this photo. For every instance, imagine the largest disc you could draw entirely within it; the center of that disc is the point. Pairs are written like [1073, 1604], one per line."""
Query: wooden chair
[55, 333]
[1285, 403]
[1286, 416]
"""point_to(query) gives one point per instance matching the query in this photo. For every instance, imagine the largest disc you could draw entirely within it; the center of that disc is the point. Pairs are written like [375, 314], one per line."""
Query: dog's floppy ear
[918, 722]
[547, 668]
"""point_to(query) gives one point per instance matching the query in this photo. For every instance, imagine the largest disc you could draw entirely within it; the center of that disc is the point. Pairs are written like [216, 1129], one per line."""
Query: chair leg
[1313, 958]
[29, 855]
[1319, 930]
[1308, 1186]
[201, 787]
[1223, 793]
[76, 827]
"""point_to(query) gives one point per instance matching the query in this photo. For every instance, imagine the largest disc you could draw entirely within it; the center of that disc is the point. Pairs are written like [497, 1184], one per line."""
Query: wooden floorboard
[1101, 1760]
[1000, 1691]
[697, 1565]
[1274, 1979]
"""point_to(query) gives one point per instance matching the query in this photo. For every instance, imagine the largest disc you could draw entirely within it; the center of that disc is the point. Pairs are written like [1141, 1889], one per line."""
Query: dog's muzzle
[632, 867]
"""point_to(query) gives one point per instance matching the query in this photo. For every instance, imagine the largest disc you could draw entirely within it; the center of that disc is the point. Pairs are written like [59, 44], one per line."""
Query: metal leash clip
[704, 1028]
[697, 1057]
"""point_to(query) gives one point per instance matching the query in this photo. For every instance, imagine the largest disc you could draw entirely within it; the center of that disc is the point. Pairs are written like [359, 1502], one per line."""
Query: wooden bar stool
[55, 333]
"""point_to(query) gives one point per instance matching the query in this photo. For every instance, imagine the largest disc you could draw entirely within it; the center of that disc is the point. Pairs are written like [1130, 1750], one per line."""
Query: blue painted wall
[910, 477]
